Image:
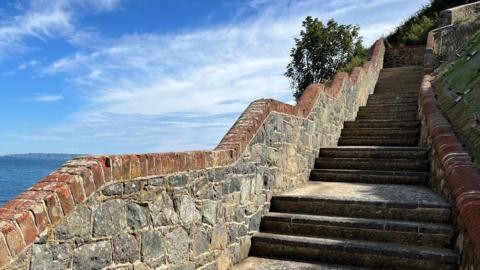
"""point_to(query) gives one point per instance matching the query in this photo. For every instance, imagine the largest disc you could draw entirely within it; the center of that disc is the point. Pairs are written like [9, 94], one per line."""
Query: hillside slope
[458, 93]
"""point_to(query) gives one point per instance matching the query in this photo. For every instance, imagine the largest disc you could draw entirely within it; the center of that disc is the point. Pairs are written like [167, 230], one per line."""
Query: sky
[138, 76]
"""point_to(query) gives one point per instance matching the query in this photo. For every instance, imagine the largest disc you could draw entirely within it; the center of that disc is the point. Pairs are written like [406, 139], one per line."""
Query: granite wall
[179, 210]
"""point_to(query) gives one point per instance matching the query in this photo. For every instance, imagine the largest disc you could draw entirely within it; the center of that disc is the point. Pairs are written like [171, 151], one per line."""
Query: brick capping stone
[47, 203]
[462, 178]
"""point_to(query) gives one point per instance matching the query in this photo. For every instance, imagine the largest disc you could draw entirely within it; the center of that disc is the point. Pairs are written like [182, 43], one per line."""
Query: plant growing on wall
[320, 50]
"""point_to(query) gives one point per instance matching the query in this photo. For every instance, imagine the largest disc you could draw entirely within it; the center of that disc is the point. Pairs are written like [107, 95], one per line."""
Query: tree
[320, 51]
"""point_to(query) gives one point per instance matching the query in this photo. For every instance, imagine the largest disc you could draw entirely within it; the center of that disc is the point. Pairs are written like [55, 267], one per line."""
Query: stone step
[375, 152]
[365, 123]
[411, 116]
[412, 69]
[391, 102]
[399, 84]
[378, 230]
[353, 252]
[376, 164]
[370, 176]
[258, 263]
[401, 79]
[377, 141]
[379, 201]
[393, 98]
[386, 132]
[397, 108]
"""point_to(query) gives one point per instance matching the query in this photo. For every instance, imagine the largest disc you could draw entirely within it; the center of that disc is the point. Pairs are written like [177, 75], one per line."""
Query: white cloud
[178, 91]
[48, 98]
[45, 19]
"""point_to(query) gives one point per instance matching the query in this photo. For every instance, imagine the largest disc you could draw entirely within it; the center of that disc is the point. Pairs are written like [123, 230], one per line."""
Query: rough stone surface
[76, 225]
[109, 218]
[162, 211]
[177, 245]
[136, 217]
[93, 256]
[125, 249]
[187, 209]
[153, 248]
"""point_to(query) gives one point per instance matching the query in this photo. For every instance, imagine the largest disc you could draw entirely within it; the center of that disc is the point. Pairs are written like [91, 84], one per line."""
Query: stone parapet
[179, 210]
[452, 175]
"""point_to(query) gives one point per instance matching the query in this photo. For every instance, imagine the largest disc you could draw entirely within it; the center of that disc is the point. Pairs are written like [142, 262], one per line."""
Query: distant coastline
[41, 155]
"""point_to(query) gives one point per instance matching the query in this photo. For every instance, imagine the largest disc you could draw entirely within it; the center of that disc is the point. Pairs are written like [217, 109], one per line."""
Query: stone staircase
[367, 204]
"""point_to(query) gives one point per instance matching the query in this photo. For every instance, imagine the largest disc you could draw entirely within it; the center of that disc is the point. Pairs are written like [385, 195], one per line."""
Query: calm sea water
[18, 174]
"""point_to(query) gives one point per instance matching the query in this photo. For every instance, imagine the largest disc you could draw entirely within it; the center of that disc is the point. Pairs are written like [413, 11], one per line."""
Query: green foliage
[358, 59]
[414, 30]
[417, 33]
[320, 51]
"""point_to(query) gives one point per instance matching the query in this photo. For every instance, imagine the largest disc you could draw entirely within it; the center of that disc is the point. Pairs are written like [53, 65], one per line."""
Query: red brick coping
[462, 178]
[47, 202]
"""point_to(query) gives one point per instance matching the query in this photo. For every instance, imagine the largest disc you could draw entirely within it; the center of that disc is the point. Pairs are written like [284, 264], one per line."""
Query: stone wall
[404, 56]
[179, 210]
[452, 175]
[456, 26]
[459, 14]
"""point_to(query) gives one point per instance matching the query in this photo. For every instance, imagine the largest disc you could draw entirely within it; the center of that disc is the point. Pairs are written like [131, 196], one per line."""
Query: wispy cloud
[178, 91]
[48, 97]
[45, 19]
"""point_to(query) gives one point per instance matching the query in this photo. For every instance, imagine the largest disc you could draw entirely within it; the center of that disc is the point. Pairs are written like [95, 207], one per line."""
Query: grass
[461, 78]
[414, 30]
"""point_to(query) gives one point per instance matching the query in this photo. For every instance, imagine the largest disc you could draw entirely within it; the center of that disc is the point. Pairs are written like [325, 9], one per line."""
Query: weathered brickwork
[404, 56]
[179, 210]
[452, 175]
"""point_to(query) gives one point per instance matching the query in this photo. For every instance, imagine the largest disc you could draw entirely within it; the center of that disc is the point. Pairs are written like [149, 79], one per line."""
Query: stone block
[110, 218]
[177, 246]
[187, 210]
[153, 248]
[136, 217]
[93, 256]
[77, 224]
[125, 249]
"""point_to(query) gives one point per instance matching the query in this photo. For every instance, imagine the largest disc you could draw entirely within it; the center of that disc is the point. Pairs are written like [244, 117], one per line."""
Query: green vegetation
[320, 51]
[415, 29]
[458, 93]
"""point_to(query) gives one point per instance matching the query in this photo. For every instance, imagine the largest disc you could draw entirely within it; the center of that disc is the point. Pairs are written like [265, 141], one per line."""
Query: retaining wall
[404, 56]
[179, 210]
[453, 174]
[456, 26]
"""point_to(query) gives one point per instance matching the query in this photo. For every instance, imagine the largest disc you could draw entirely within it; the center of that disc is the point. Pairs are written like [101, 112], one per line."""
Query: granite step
[390, 102]
[353, 252]
[377, 141]
[378, 230]
[386, 114]
[382, 164]
[379, 201]
[389, 109]
[258, 263]
[374, 152]
[366, 123]
[369, 176]
[387, 132]
[389, 97]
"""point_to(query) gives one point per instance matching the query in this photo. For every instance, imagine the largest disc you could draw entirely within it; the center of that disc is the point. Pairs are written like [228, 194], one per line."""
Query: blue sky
[134, 76]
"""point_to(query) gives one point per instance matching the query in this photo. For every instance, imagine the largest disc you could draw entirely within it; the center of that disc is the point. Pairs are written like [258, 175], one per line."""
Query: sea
[19, 174]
